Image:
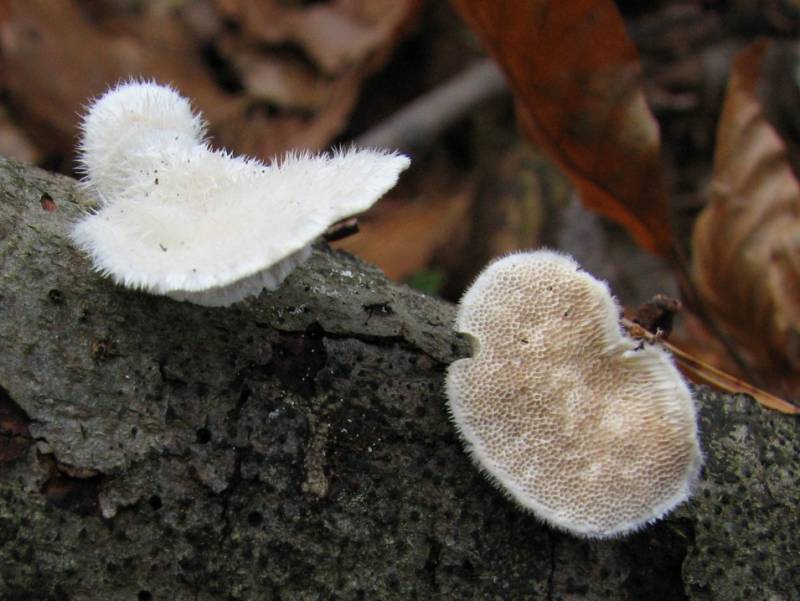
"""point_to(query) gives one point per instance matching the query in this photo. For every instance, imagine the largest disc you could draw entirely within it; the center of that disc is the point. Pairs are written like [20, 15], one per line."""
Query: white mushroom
[592, 431]
[180, 219]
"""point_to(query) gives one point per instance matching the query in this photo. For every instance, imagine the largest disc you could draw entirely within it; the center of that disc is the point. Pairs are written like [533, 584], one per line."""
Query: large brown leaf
[747, 240]
[577, 80]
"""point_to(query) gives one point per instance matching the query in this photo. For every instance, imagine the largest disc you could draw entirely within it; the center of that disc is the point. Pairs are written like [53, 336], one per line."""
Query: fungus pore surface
[177, 217]
[591, 430]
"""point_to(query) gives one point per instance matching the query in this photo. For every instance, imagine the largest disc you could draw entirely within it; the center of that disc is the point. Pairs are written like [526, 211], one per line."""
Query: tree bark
[297, 446]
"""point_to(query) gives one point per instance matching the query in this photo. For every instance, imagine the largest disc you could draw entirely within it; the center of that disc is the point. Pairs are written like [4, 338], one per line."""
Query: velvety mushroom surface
[179, 218]
[591, 430]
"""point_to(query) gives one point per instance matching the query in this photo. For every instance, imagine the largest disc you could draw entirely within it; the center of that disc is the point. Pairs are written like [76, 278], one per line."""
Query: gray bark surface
[297, 446]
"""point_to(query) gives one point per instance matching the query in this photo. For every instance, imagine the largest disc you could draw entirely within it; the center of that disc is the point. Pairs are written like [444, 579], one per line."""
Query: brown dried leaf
[577, 80]
[402, 237]
[259, 133]
[746, 242]
[333, 34]
[285, 83]
[260, 99]
[54, 59]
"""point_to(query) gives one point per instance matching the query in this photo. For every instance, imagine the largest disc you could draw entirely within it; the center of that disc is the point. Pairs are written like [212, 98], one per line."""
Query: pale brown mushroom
[591, 430]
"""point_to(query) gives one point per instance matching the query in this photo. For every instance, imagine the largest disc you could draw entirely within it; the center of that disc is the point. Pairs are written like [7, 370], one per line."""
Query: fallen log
[297, 446]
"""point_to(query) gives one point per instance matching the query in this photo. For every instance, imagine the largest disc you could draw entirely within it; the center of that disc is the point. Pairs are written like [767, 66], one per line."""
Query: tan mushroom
[589, 429]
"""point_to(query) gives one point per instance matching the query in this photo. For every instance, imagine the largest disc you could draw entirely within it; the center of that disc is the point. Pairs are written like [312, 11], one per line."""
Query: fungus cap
[128, 117]
[592, 431]
[180, 219]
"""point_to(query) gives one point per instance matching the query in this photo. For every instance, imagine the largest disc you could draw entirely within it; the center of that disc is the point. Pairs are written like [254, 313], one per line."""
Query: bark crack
[551, 576]
[236, 478]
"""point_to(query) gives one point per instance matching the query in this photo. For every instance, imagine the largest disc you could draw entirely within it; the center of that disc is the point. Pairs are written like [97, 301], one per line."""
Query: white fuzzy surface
[181, 219]
[123, 123]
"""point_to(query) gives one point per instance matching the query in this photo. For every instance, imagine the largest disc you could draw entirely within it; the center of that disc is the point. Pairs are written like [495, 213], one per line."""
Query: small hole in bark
[203, 435]
[144, 596]
[48, 204]
[56, 296]
[155, 502]
[254, 518]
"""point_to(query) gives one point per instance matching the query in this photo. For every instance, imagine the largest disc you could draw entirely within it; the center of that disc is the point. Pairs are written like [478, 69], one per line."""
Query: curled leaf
[746, 242]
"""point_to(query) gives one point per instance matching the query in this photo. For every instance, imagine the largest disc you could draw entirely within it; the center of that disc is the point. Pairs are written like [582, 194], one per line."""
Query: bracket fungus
[178, 218]
[579, 423]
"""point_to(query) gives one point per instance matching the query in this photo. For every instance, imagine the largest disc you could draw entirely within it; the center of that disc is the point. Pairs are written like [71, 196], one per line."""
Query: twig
[709, 374]
[418, 124]
[341, 230]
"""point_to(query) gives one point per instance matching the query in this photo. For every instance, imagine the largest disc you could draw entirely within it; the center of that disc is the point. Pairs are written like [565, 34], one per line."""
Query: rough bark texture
[297, 446]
